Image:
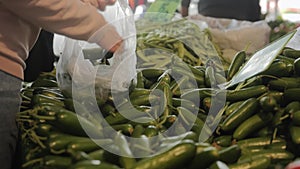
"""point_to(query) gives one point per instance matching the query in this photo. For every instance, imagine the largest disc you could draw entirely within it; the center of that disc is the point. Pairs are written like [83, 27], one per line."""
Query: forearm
[72, 18]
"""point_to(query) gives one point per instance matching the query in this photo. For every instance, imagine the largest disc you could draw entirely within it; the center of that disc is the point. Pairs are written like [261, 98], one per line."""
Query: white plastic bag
[236, 35]
[77, 68]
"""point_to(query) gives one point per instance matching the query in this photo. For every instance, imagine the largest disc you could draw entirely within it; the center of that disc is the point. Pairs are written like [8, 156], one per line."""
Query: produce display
[254, 124]
[157, 44]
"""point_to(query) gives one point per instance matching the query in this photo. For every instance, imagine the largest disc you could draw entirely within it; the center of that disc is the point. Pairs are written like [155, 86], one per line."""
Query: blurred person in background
[249, 10]
[21, 22]
[135, 3]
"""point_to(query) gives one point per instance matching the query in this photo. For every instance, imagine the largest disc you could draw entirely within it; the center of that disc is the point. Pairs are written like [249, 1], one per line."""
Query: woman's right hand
[100, 4]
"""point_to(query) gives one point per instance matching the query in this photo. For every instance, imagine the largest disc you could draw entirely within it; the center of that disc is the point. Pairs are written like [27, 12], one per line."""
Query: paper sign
[260, 61]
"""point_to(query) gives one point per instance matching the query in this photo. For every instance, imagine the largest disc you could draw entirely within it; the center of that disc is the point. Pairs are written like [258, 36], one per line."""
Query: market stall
[186, 108]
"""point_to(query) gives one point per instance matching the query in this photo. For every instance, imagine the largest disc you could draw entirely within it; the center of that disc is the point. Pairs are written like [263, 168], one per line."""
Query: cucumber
[277, 95]
[151, 131]
[296, 118]
[195, 95]
[175, 158]
[93, 164]
[44, 83]
[292, 94]
[184, 103]
[204, 157]
[87, 145]
[126, 129]
[97, 154]
[237, 62]
[140, 80]
[232, 107]
[292, 107]
[230, 154]
[268, 103]
[210, 79]
[138, 92]
[245, 93]
[152, 73]
[223, 140]
[118, 118]
[297, 66]
[59, 142]
[178, 71]
[284, 83]
[295, 134]
[219, 165]
[244, 111]
[292, 53]
[276, 155]
[56, 161]
[252, 124]
[252, 163]
[258, 141]
[43, 129]
[279, 69]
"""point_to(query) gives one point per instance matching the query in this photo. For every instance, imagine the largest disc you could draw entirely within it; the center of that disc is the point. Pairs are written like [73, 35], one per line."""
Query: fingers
[103, 3]
[100, 4]
[116, 46]
[109, 38]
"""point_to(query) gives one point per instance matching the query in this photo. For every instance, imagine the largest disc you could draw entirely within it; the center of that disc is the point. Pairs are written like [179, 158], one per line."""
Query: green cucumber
[230, 154]
[244, 111]
[252, 124]
[276, 155]
[296, 117]
[245, 93]
[232, 107]
[297, 66]
[223, 140]
[237, 62]
[292, 53]
[204, 157]
[292, 94]
[252, 163]
[174, 158]
[295, 134]
[284, 83]
[268, 103]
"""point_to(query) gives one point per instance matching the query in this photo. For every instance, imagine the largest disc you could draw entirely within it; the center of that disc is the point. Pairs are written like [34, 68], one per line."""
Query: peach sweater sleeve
[72, 18]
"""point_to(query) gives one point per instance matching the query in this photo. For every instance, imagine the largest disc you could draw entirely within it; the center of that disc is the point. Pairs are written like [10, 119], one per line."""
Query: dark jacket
[233, 9]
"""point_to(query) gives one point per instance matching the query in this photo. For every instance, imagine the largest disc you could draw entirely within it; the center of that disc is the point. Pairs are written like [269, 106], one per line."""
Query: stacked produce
[157, 45]
[257, 121]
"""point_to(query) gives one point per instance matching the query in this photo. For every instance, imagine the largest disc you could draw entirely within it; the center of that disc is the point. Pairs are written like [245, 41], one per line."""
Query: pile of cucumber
[254, 124]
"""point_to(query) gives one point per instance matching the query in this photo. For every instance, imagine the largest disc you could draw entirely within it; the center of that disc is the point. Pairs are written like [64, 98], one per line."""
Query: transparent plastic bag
[236, 35]
[80, 62]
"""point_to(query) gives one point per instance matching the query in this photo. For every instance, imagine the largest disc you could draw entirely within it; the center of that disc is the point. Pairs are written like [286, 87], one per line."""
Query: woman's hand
[100, 4]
